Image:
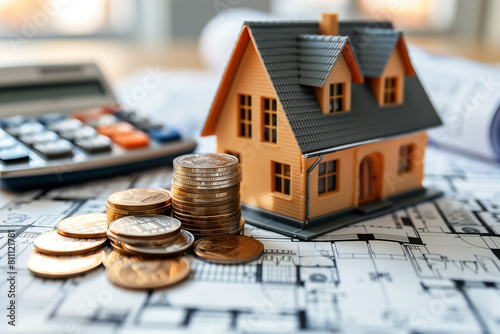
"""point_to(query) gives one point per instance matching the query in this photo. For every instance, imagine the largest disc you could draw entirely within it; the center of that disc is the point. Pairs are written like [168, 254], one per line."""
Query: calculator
[61, 124]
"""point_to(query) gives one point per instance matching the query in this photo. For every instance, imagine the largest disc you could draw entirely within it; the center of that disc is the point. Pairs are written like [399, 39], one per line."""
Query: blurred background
[125, 35]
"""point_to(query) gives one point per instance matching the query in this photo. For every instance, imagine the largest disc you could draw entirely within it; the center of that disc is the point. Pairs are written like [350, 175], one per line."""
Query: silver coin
[145, 227]
[206, 161]
[184, 241]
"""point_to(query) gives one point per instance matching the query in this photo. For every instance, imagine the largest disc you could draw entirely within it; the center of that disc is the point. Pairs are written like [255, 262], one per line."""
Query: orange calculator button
[136, 139]
[117, 129]
[90, 114]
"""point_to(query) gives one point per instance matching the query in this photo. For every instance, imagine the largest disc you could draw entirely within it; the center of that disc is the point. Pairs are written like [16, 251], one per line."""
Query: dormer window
[390, 90]
[337, 97]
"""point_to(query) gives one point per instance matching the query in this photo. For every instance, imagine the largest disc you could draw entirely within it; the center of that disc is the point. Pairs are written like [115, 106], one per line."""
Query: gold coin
[52, 243]
[207, 212]
[139, 199]
[180, 245]
[138, 212]
[206, 162]
[228, 249]
[145, 227]
[211, 195]
[132, 273]
[198, 219]
[192, 207]
[114, 216]
[63, 266]
[219, 218]
[211, 225]
[92, 225]
[111, 257]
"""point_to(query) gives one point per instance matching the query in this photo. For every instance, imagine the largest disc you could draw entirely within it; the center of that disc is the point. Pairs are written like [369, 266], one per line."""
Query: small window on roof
[391, 90]
[337, 97]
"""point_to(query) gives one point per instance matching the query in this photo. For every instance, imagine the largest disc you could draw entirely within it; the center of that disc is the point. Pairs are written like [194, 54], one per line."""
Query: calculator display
[50, 91]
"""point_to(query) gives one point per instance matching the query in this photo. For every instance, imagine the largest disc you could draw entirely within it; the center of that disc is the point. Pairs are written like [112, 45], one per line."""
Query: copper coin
[63, 266]
[221, 193]
[52, 243]
[208, 217]
[92, 225]
[199, 219]
[206, 207]
[132, 273]
[228, 249]
[207, 212]
[139, 199]
[114, 216]
[180, 245]
[206, 162]
[211, 225]
[204, 201]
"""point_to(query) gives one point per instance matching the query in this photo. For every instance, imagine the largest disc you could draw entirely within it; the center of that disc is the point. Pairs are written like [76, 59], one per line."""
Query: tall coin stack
[138, 202]
[206, 194]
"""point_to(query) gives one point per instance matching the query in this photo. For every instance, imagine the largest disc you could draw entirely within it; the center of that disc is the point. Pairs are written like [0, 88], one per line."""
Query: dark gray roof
[278, 46]
[373, 48]
[317, 56]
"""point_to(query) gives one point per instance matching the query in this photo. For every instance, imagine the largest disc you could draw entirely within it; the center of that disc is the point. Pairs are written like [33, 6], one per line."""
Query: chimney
[329, 24]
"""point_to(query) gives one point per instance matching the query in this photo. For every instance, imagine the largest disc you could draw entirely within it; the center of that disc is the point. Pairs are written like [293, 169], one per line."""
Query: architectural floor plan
[430, 268]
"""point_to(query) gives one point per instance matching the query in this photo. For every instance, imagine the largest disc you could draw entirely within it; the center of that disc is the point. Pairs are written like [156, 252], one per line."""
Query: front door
[369, 179]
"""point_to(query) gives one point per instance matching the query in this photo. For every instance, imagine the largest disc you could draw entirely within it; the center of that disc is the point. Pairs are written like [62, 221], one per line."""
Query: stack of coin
[138, 202]
[149, 236]
[74, 248]
[206, 194]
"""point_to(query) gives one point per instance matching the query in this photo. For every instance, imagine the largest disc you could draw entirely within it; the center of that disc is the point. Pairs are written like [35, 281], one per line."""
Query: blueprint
[430, 268]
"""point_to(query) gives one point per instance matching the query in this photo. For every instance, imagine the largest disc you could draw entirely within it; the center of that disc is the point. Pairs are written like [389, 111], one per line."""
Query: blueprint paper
[433, 267]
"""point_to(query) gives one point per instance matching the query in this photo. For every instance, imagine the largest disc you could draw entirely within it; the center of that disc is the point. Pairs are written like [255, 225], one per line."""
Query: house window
[281, 178]
[327, 177]
[269, 125]
[337, 97]
[405, 158]
[245, 116]
[390, 90]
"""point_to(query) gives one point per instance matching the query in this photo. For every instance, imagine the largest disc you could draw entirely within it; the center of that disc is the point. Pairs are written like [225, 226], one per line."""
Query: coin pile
[73, 248]
[206, 194]
[149, 236]
[138, 202]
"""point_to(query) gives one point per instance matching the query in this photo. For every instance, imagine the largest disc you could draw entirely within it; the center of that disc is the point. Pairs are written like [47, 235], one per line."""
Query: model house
[328, 120]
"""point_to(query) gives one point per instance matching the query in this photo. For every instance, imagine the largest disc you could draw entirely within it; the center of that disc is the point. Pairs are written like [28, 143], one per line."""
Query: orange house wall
[394, 68]
[256, 156]
[340, 73]
[391, 183]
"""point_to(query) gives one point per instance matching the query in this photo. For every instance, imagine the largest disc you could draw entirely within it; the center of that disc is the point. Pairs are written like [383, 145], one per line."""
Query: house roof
[279, 47]
[374, 47]
[319, 53]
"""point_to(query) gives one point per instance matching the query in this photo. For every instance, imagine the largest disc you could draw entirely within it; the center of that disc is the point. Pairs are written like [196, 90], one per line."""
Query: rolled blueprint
[466, 94]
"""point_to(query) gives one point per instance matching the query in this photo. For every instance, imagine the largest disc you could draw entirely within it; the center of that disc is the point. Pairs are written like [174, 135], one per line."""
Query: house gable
[394, 70]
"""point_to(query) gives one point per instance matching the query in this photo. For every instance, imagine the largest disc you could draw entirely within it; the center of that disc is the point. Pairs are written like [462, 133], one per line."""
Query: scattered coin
[63, 266]
[93, 225]
[52, 243]
[228, 249]
[132, 273]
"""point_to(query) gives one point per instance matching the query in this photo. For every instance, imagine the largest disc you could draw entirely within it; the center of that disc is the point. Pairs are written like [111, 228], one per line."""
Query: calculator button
[69, 124]
[164, 134]
[7, 142]
[28, 128]
[96, 144]
[90, 114]
[136, 139]
[104, 120]
[51, 118]
[14, 154]
[14, 121]
[116, 129]
[40, 138]
[82, 133]
[57, 149]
